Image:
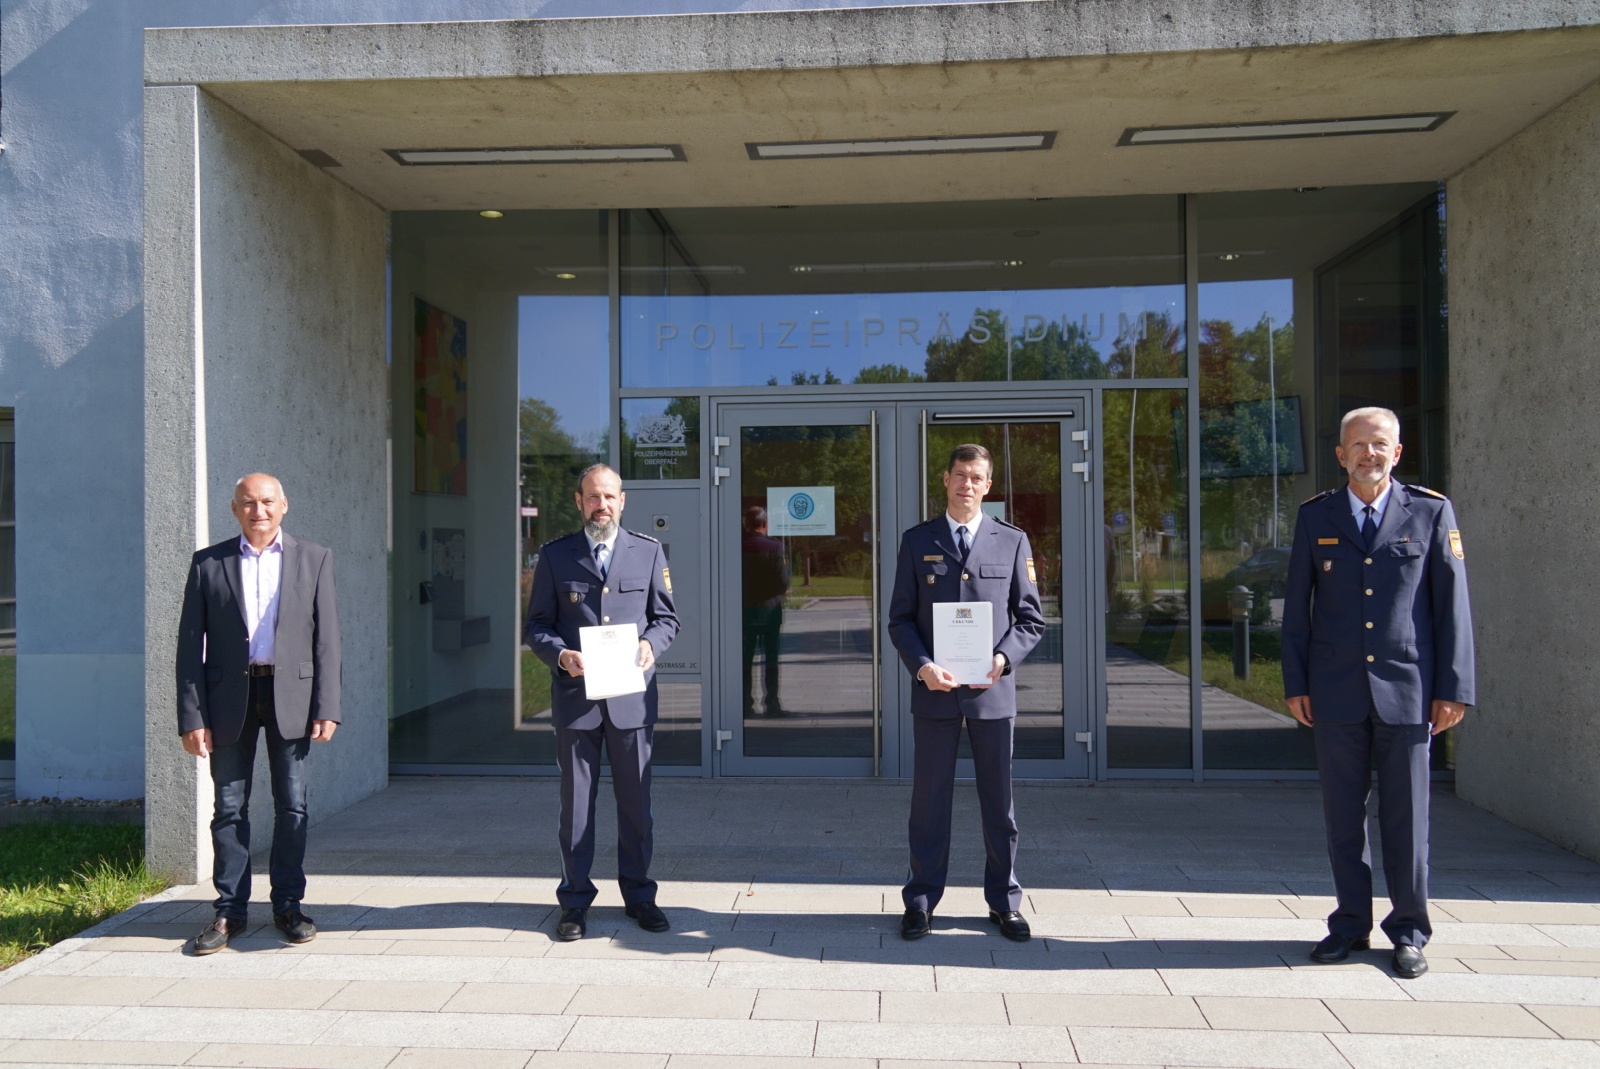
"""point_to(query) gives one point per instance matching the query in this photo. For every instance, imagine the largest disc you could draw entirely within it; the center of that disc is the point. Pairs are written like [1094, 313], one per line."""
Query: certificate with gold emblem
[610, 661]
[963, 640]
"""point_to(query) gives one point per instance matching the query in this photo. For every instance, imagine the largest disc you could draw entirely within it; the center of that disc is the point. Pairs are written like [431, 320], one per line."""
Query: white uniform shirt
[260, 575]
[1358, 506]
[972, 529]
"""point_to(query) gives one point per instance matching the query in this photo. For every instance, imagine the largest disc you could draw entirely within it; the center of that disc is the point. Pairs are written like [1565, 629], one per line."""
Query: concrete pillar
[1524, 278]
[264, 350]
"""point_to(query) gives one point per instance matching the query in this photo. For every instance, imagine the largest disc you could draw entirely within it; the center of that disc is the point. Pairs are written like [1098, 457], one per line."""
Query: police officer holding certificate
[1377, 659]
[964, 556]
[602, 575]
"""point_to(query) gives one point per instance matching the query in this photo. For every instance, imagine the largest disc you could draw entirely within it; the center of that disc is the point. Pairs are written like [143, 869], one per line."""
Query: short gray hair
[1374, 413]
[591, 470]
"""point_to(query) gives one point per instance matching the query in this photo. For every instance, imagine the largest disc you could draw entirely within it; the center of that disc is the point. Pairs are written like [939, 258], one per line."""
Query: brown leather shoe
[215, 935]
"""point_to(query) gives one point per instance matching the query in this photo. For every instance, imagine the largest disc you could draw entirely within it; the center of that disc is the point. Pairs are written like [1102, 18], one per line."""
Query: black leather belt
[261, 669]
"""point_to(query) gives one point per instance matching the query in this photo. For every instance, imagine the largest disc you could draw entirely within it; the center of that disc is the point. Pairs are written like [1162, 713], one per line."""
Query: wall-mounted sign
[799, 511]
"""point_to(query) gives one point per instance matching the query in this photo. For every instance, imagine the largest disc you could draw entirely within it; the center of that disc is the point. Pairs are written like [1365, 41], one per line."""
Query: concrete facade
[268, 354]
[1524, 311]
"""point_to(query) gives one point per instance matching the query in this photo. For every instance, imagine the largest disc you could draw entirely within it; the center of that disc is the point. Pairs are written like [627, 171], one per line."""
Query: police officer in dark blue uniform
[600, 575]
[964, 555]
[1377, 659]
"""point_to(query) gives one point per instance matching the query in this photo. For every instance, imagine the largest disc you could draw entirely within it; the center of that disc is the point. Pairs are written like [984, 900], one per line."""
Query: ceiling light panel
[901, 146]
[457, 157]
[1280, 131]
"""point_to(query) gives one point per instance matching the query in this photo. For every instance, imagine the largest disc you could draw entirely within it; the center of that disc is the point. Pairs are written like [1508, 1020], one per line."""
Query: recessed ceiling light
[1227, 256]
[900, 146]
[490, 213]
[1308, 189]
[1278, 131]
[437, 157]
[566, 276]
[1011, 263]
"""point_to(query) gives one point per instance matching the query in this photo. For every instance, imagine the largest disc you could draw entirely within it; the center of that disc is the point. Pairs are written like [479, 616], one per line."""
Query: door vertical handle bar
[877, 642]
[922, 429]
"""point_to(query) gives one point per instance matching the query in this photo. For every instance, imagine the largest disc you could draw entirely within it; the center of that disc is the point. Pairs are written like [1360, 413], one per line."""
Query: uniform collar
[972, 527]
[1378, 506]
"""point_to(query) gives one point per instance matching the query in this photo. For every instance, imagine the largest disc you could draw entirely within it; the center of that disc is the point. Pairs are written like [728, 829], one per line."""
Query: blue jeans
[232, 768]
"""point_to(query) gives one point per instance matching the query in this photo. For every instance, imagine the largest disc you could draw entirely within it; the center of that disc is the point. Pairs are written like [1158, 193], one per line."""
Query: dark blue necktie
[1369, 528]
[600, 559]
[961, 543]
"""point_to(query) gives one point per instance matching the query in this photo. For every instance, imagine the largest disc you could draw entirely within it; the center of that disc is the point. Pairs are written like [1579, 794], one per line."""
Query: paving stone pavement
[1171, 921]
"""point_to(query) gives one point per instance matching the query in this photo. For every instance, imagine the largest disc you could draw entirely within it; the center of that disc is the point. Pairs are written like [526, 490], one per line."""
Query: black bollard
[1240, 602]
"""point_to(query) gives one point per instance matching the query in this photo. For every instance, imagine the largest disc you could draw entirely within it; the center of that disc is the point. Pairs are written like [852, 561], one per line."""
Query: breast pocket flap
[306, 670]
[1408, 549]
[994, 571]
[628, 584]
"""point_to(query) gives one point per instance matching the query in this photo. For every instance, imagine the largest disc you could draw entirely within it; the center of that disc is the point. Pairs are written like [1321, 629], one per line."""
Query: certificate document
[610, 661]
[963, 640]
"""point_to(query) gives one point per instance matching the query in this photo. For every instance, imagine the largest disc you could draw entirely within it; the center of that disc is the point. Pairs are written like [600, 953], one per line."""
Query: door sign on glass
[799, 511]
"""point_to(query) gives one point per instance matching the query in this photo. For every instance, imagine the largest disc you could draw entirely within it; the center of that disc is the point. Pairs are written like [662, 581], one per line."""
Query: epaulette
[1425, 490]
[1002, 523]
[559, 538]
[1319, 497]
[641, 534]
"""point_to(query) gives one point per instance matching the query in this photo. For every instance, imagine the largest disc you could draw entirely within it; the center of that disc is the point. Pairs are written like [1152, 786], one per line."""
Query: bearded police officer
[602, 575]
[1377, 659]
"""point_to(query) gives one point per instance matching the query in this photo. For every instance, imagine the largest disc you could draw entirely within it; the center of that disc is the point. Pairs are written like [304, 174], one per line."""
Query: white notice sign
[799, 510]
[963, 640]
[610, 661]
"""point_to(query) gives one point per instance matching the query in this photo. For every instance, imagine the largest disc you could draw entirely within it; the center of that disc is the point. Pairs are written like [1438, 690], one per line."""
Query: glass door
[799, 521]
[1042, 478]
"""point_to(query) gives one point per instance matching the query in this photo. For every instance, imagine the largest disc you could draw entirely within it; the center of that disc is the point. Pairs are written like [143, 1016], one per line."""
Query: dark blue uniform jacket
[1387, 630]
[568, 593]
[998, 570]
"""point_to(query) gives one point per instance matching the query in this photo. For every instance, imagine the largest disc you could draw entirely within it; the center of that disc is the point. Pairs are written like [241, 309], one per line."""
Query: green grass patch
[1169, 647]
[58, 879]
[8, 706]
[535, 685]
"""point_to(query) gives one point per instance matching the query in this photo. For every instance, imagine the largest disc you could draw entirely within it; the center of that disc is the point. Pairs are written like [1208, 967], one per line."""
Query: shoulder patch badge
[1455, 545]
[1032, 575]
[666, 578]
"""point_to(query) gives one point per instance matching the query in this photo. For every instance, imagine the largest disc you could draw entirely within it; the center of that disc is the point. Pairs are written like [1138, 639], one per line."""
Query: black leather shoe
[916, 923]
[1409, 962]
[1012, 925]
[215, 936]
[649, 916]
[571, 925]
[295, 926]
[1337, 947]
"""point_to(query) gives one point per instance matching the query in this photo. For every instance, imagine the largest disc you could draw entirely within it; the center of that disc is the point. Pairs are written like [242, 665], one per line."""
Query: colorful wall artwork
[440, 377]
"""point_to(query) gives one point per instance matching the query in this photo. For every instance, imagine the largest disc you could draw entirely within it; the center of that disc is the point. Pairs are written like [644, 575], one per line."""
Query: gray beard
[600, 532]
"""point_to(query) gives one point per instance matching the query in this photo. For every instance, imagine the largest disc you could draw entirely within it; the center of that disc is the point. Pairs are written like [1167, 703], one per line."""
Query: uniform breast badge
[574, 597]
[1327, 565]
[931, 578]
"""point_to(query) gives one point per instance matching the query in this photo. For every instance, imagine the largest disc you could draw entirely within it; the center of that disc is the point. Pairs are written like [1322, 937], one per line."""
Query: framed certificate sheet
[963, 640]
[610, 661]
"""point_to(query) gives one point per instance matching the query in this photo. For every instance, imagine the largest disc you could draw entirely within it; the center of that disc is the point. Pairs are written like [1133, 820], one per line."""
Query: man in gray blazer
[258, 650]
[964, 556]
[602, 575]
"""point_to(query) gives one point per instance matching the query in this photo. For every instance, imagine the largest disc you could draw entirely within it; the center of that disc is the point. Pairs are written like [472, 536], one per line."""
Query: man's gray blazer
[214, 645]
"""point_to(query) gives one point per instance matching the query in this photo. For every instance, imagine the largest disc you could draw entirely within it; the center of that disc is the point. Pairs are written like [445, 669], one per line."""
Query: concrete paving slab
[676, 1036]
[714, 1003]
[1438, 1019]
[1192, 1047]
[726, 1061]
[82, 990]
[1570, 1022]
[1523, 990]
[1277, 1015]
[459, 1058]
[1534, 968]
[824, 976]
[1158, 1011]
[511, 998]
[408, 995]
[502, 1031]
[1052, 980]
[780, 1004]
[571, 1059]
[246, 994]
[929, 1040]
[51, 1022]
[1283, 983]
[944, 1007]
[1440, 1052]
[293, 1056]
[79, 1051]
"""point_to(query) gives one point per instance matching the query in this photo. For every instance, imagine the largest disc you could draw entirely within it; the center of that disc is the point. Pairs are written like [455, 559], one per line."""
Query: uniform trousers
[932, 794]
[232, 771]
[1346, 754]
[578, 756]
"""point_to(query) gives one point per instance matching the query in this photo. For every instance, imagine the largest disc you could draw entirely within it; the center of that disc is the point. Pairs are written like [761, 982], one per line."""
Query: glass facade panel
[1147, 579]
[8, 588]
[1264, 429]
[660, 438]
[1014, 291]
[502, 335]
